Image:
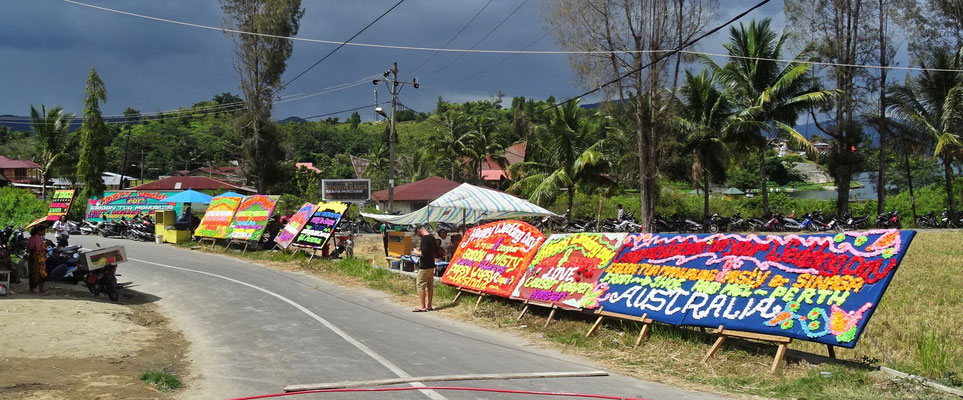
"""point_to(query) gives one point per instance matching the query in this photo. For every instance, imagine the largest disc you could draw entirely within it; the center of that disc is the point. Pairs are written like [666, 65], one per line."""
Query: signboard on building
[346, 190]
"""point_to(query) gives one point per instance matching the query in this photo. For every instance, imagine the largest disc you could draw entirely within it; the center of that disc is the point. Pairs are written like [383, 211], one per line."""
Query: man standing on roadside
[61, 231]
[428, 250]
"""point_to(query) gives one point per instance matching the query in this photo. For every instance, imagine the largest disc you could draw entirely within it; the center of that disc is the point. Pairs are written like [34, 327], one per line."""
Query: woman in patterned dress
[37, 253]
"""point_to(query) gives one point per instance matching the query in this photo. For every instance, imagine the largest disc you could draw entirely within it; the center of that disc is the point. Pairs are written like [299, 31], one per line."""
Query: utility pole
[391, 78]
[123, 165]
[376, 104]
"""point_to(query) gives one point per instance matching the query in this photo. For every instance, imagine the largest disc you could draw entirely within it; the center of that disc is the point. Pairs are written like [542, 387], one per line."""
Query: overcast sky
[47, 48]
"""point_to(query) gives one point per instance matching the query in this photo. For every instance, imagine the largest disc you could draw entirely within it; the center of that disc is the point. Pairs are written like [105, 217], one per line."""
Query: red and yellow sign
[493, 257]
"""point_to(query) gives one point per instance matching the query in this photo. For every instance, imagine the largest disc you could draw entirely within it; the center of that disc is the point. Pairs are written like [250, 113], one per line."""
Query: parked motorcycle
[101, 267]
[888, 220]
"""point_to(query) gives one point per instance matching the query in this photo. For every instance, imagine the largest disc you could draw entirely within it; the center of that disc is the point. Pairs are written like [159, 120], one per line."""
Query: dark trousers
[62, 241]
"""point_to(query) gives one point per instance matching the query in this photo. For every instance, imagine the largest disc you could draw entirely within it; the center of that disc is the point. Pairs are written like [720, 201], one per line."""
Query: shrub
[19, 207]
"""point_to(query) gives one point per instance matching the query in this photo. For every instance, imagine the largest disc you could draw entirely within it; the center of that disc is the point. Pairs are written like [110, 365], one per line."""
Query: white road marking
[365, 349]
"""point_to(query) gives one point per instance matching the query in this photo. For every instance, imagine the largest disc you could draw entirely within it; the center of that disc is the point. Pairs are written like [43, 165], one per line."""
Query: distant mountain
[14, 122]
[292, 119]
[809, 130]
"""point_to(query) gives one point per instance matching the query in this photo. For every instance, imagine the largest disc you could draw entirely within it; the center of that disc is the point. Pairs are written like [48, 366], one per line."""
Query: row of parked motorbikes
[71, 268]
[134, 229]
[811, 222]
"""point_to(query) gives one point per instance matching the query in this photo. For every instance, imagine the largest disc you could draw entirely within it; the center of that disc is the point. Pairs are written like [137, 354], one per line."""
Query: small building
[307, 167]
[415, 195]
[230, 173]
[491, 171]
[192, 182]
[822, 147]
[19, 171]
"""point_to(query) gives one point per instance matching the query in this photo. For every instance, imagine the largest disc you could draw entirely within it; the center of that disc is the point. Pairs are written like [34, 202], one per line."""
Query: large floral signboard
[294, 226]
[566, 269]
[492, 257]
[128, 204]
[217, 219]
[60, 204]
[252, 216]
[321, 226]
[822, 287]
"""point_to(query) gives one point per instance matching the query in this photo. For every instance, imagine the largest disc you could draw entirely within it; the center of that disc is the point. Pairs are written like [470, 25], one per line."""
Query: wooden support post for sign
[238, 241]
[643, 331]
[832, 351]
[781, 343]
[551, 315]
[524, 310]
[480, 295]
[646, 322]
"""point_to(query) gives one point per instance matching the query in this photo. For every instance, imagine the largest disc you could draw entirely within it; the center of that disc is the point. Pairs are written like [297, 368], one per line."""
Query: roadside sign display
[566, 269]
[60, 203]
[252, 217]
[216, 223]
[821, 287]
[346, 190]
[127, 204]
[295, 225]
[492, 257]
[321, 226]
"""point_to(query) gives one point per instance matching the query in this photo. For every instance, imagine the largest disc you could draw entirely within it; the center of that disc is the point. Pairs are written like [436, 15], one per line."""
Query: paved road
[255, 330]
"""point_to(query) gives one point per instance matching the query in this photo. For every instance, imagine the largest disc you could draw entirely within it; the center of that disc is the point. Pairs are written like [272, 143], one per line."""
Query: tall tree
[453, 139]
[485, 144]
[633, 33]
[770, 95]
[703, 116]
[569, 158]
[932, 105]
[51, 129]
[844, 33]
[93, 139]
[259, 62]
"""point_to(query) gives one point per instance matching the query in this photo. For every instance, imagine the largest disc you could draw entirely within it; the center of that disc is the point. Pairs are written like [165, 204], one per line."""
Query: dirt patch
[71, 345]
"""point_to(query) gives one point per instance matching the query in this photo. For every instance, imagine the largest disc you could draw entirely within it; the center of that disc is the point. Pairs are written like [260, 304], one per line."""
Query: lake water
[867, 192]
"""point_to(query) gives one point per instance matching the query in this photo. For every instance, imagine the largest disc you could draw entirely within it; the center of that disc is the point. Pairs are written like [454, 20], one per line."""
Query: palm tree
[932, 106]
[422, 163]
[453, 140]
[570, 159]
[485, 144]
[51, 128]
[771, 96]
[703, 116]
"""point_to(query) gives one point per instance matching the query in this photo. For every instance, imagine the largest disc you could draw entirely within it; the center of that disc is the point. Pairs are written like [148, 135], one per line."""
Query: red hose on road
[470, 389]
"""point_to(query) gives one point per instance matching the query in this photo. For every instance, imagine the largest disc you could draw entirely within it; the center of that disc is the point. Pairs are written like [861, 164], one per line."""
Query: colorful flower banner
[821, 287]
[492, 257]
[294, 226]
[566, 269]
[323, 222]
[217, 219]
[252, 216]
[127, 204]
[60, 204]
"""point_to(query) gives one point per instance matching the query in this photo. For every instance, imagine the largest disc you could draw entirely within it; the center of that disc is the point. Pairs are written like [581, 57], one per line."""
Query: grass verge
[916, 329]
[161, 380]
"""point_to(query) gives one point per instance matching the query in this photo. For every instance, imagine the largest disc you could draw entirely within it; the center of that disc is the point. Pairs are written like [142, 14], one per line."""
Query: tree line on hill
[670, 118]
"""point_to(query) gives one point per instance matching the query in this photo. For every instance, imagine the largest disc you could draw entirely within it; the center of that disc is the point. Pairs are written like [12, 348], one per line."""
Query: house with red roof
[491, 171]
[415, 195]
[19, 171]
[230, 173]
[191, 182]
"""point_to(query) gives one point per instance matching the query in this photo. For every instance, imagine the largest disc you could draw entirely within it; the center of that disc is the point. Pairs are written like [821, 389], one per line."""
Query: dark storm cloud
[47, 47]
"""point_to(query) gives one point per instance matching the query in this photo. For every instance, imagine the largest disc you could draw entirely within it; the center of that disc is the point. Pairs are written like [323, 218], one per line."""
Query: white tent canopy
[469, 204]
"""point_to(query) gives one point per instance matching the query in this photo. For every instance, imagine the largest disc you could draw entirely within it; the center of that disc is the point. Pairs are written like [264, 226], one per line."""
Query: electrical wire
[205, 110]
[669, 54]
[469, 389]
[283, 86]
[453, 37]
[489, 68]
[480, 40]
[496, 51]
[340, 112]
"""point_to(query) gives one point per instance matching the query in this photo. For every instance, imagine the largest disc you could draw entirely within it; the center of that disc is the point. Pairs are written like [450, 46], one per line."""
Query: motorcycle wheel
[713, 228]
[110, 287]
[813, 227]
